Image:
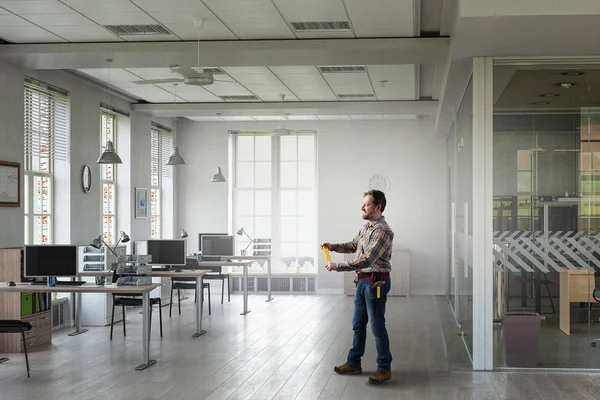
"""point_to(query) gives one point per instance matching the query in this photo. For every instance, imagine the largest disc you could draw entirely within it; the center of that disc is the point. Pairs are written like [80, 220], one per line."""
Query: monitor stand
[175, 269]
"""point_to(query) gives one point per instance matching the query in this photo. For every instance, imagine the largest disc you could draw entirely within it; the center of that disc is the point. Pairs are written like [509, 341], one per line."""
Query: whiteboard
[9, 184]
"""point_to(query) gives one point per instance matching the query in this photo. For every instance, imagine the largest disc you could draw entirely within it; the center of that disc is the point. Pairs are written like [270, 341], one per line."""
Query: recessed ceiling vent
[239, 98]
[325, 26]
[336, 69]
[125, 30]
[214, 71]
[356, 96]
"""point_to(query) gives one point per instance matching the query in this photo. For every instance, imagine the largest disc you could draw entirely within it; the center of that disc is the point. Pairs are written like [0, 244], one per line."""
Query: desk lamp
[183, 234]
[99, 241]
[241, 232]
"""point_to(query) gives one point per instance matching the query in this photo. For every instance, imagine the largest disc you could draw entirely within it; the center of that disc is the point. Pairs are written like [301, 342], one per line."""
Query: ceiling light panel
[306, 82]
[349, 83]
[314, 10]
[393, 82]
[104, 6]
[251, 19]
[382, 18]
[261, 81]
[35, 7]
[193, 94]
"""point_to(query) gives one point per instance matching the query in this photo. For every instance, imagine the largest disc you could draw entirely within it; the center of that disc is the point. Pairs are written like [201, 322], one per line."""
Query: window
[275, 197]
[108, 177]
[46, 125]
[160, 145]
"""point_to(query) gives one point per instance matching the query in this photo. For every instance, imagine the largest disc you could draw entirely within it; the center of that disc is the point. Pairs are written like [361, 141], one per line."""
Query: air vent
[356, 96]
[239, 98]
[214, 71]
[326, 26]
[334, 69]
[125, 30]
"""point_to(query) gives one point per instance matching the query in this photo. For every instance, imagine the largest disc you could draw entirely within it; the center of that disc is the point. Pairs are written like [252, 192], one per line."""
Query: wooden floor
[285, 349]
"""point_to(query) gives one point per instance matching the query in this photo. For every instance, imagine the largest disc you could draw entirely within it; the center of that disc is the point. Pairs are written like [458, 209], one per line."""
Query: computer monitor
[200, 235]
[217, 246]
[166, 252]
[50, 260]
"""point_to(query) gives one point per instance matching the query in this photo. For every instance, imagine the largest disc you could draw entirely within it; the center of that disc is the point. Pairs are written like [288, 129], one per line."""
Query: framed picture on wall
[141, 203]
[10, 184]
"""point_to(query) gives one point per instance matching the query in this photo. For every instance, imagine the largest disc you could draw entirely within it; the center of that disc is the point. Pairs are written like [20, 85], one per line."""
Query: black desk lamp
[99, 242]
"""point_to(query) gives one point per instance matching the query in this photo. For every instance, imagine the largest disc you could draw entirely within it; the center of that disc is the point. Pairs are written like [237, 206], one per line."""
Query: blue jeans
[364, 310]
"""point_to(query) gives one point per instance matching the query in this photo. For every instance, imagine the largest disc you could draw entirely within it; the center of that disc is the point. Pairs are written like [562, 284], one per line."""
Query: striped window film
[108, 122]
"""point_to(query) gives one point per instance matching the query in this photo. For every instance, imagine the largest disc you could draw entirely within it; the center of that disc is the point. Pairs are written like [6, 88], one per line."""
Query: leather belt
[368, 275]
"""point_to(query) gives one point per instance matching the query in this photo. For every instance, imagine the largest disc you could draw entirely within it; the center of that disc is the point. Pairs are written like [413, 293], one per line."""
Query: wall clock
[86, 178]
[378, 182]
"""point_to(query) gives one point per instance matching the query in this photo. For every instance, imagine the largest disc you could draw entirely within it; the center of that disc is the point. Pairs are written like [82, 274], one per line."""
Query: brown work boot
[380, 377]
[347, 369]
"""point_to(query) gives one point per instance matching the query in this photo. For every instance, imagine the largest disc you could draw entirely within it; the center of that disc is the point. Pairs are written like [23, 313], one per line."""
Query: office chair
[218, 274]
[133, 300]
[16, 326]
[596, 296]
[180, 283]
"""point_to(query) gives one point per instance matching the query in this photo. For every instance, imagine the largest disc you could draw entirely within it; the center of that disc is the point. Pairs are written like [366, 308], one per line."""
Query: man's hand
[331, 266]
[326, 244]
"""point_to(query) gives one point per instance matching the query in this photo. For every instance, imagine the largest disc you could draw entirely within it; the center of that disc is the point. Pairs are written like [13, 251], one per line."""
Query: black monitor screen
[200, 235]
[51, 260]
[167, 252]
[217, 245]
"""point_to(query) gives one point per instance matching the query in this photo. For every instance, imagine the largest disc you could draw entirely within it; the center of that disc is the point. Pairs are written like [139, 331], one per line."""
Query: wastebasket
[521, 338]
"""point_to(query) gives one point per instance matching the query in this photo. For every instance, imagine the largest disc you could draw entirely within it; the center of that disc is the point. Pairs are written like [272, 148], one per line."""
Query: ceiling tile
[72, 19]
[13, 21]
[31, 34]
[115, 75]
[150, 38]
[262, 82]
[401, 117]
[121, 18]
[104, 6]
[151, 93]
[212, 30]
[193, 94]
[306, 82]
[153, 73]
[251, 19]
[382, 18]
[349, 82]
[180, 5]
[227, 89]
[4, 12]
[400, 85]
[84, 33]
[314, 11]
[36, 7]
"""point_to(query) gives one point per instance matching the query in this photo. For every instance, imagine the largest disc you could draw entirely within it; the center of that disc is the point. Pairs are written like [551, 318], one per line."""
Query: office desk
[143, 290]
[259, 258]
[185, 273]
[575, 287]
[240, 263]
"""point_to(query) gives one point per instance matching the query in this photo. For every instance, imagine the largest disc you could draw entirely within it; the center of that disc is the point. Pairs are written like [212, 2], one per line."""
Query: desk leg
[146, 333]
[246, 311]
[77, 304]
[199, 305]
[269, 298]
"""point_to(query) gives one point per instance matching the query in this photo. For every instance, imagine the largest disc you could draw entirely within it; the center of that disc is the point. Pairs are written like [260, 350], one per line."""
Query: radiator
[279, 284]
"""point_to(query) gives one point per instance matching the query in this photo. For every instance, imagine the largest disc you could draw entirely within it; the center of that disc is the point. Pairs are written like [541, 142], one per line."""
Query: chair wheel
[593, 344]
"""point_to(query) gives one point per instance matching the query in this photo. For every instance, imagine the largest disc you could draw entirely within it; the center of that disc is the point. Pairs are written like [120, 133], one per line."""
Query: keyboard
[70, 283]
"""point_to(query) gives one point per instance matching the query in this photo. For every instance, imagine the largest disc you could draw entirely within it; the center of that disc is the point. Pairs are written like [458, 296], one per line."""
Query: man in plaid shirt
[373, 248]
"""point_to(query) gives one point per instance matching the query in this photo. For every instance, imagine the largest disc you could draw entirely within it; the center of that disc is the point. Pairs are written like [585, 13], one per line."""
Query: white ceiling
[40, 21]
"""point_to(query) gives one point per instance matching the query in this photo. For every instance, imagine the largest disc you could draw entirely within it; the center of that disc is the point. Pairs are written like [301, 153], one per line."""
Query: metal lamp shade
[218, 176]
[109, 156]
[175, 158]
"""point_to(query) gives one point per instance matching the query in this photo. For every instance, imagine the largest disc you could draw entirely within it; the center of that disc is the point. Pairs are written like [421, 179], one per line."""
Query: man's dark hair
[378, 198]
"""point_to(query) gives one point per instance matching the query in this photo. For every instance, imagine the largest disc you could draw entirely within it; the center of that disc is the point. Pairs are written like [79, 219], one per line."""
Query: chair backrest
[191, 263]
[183, 279]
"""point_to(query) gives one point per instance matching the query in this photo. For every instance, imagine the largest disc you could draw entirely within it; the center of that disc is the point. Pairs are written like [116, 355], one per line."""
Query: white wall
[80, 209]
[407, 152]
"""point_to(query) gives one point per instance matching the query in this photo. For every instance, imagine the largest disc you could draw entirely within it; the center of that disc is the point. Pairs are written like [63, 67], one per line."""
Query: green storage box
[26, 304]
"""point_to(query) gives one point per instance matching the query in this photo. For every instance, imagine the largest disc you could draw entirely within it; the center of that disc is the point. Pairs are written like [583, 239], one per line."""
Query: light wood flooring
[285, 349]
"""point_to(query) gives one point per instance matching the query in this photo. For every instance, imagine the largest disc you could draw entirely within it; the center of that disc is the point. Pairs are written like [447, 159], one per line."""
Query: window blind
[47, 121]
[161, 149]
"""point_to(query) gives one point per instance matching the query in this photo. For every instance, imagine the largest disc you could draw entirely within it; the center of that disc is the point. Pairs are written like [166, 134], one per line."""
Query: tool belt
[377, 279]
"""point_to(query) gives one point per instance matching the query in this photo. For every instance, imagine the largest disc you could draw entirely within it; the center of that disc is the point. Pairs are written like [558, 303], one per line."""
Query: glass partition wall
[546, 215]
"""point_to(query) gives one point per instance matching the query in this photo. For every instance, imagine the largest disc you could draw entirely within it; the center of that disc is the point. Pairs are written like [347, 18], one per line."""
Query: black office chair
[596, 296]
[217, 274]
[16, 326]
[189, 283]
[133, 300]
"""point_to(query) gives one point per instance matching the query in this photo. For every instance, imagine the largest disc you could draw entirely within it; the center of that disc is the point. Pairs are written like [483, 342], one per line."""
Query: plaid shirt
[373, 248]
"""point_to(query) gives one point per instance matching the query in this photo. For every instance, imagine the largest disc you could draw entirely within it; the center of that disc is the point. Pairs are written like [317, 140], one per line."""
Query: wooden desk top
[86, 288]
[185, 273]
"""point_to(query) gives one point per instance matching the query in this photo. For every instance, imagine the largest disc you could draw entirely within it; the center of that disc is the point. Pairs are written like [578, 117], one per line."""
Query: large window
[275, 198]
[160, 145]
[46, 123]
[108, 177]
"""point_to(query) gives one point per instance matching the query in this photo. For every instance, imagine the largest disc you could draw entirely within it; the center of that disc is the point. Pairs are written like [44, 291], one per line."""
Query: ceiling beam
[423, 108]
[227, 53]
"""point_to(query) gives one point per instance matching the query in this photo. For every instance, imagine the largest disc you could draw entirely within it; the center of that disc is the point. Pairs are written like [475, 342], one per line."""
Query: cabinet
[97, 307]
[34, 308]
